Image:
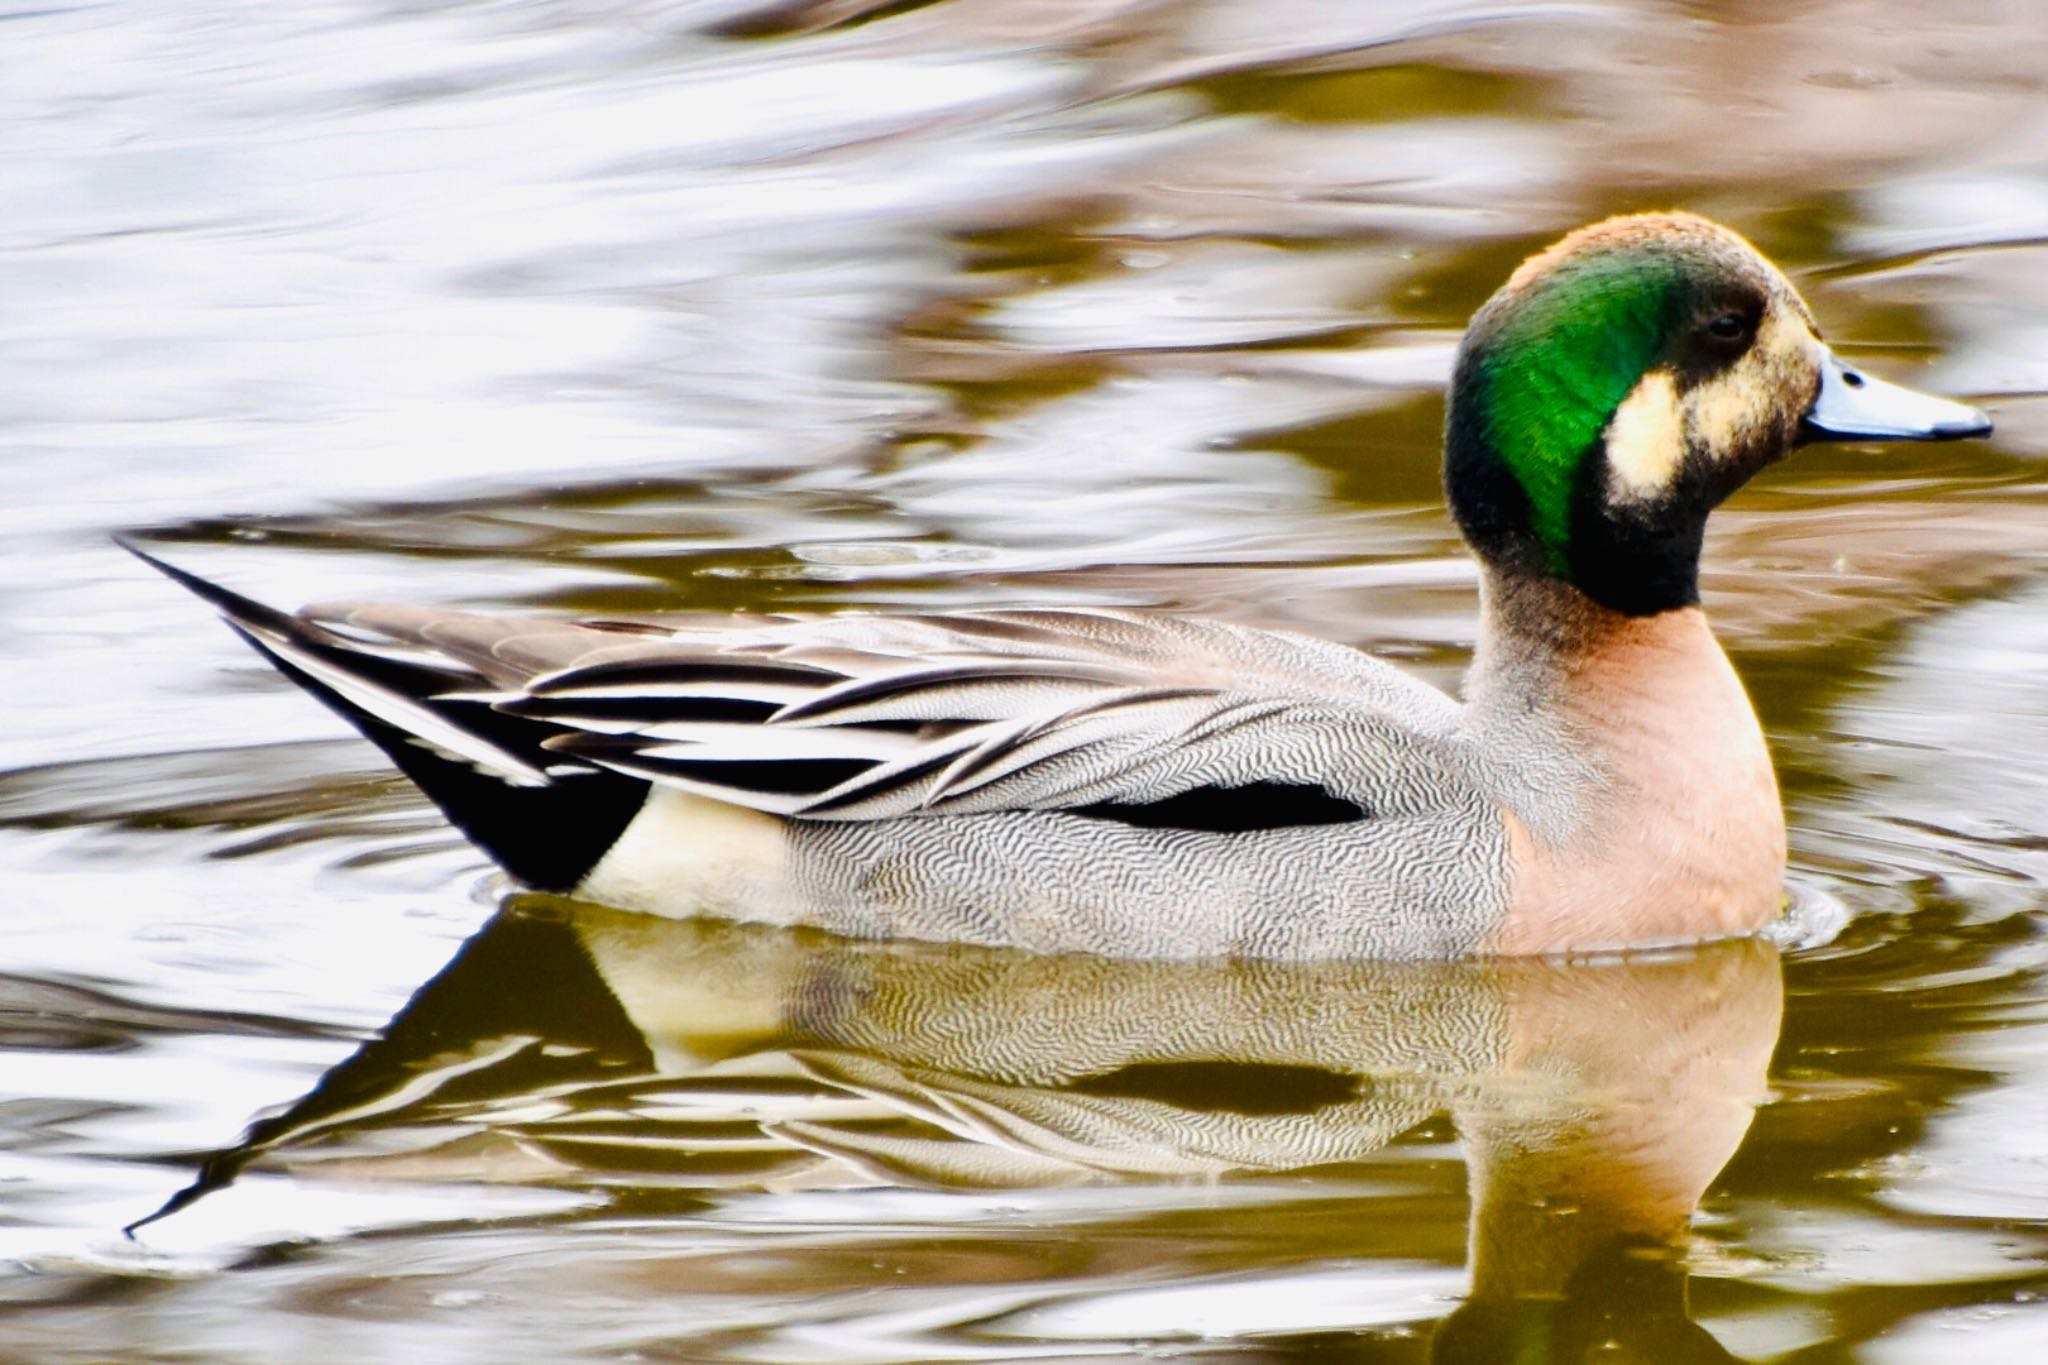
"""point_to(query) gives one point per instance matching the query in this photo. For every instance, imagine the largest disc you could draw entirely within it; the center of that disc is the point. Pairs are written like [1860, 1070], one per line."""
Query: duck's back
[1116, 782]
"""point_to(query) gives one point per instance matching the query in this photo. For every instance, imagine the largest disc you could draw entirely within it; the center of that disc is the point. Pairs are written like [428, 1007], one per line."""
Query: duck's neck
[1630, 761]
[1546, 648]
[1531, 703]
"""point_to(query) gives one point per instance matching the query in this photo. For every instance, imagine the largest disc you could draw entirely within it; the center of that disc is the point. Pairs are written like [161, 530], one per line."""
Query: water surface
[821, 305]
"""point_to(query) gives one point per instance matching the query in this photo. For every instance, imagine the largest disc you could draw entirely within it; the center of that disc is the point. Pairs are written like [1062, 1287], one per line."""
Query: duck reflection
[1595, 1100]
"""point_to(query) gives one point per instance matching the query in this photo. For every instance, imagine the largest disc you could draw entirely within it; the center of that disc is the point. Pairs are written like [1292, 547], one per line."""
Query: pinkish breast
[1683, 836]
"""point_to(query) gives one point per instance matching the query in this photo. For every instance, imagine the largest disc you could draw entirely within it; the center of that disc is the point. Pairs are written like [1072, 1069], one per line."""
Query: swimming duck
[1137, 784]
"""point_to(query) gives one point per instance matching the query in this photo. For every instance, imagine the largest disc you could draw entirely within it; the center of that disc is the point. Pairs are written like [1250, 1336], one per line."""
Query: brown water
[607, 306]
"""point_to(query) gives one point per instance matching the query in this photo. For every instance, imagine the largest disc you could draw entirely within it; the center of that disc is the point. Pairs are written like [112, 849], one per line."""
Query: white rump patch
[686, 855]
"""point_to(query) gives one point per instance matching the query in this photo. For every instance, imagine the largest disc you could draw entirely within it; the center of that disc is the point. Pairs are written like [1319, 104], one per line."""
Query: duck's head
[1627, 379]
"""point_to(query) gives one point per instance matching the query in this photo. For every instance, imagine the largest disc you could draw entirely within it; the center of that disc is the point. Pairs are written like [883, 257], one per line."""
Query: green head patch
[1556, 365]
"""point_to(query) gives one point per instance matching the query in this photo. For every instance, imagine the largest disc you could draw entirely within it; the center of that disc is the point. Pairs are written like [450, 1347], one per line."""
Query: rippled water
[601, 306]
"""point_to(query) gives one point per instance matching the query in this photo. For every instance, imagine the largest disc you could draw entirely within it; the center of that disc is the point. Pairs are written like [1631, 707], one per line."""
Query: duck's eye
[1729, 327]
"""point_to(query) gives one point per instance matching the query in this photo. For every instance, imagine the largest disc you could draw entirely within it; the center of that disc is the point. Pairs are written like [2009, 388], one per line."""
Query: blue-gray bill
[1854, 406]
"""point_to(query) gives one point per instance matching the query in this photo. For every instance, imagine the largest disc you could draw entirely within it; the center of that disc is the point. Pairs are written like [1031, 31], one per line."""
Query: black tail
[542, 816]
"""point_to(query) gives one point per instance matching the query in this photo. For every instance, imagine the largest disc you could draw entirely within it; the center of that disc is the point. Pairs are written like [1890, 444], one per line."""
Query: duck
[1138, 784]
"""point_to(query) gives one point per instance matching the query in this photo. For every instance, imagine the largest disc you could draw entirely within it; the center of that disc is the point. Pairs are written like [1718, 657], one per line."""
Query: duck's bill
[1854, 406]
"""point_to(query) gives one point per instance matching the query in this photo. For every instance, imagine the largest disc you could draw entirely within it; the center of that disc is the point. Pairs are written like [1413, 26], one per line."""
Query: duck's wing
[861, 717]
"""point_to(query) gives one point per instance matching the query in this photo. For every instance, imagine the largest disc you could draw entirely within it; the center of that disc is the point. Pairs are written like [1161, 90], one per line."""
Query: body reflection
[572, 1045]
